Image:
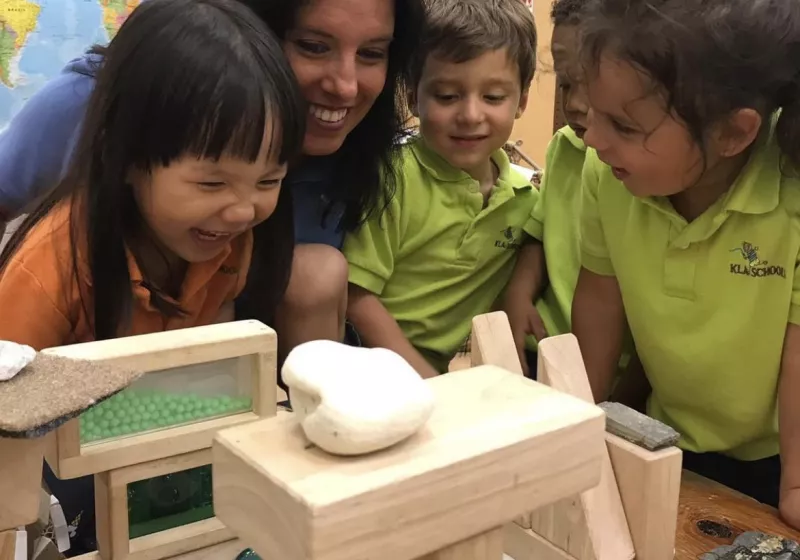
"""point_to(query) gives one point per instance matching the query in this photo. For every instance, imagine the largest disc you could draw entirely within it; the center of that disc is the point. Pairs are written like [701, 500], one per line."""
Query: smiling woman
[349, 57]
[323, 40]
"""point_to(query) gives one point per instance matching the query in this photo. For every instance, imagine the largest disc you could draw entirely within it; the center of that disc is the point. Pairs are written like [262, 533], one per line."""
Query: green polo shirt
[437, 257]
[555, 222]
[708, 302]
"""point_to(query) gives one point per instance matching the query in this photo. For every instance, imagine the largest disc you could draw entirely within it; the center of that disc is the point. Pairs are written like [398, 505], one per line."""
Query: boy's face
[574, 101]
[467, 110]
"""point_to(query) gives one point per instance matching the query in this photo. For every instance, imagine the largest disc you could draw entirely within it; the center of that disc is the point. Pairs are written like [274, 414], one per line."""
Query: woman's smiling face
[339, 51]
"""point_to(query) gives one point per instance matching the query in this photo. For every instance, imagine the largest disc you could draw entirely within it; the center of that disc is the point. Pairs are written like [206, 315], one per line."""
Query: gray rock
[754, 545]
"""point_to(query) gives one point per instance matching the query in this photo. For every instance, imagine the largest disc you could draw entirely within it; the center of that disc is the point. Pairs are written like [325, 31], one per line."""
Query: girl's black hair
[708, 57]
[198, 77]
[365, 173]
[566, 12]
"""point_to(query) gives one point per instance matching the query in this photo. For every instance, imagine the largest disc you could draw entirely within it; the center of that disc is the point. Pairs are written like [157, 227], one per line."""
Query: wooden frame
[634, 509]
[111, 507]
[252, 342]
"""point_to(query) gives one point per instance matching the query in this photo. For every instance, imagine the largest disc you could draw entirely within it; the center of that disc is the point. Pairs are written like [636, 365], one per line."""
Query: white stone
[352, 401]
[13, 358]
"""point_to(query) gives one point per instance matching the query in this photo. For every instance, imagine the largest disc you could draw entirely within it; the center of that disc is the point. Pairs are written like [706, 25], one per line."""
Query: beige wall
[535, 127]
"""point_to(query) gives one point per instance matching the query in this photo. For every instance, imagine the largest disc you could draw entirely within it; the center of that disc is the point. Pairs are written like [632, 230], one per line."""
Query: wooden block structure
[633, 510]
[241, 352]
[20, 481]
[112, 510]
[203, 379]
[496, 445]
[20, 487]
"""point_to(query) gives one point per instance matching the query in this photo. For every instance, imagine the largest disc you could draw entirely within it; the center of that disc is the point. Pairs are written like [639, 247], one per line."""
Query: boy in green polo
[538, 300]
[445, 248]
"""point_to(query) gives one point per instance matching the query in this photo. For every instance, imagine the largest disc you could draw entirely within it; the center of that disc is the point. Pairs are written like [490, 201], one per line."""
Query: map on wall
[39, 37]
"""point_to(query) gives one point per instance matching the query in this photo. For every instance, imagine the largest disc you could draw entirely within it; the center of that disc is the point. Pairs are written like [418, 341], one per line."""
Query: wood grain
[723, 513]
[20, 481]
[8, 544]
[496, 445]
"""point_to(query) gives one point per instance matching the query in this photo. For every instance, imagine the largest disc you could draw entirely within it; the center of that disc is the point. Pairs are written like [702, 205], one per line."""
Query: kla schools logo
[509, 240]
[753, 265]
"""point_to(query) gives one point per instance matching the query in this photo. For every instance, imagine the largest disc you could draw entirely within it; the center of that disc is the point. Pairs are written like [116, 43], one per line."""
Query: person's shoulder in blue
[37, 145]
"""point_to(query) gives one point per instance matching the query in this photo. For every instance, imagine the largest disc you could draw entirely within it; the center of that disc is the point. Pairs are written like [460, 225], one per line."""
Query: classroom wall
[535, 127]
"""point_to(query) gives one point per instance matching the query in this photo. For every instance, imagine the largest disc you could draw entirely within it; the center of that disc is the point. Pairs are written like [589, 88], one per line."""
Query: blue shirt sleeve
[37, 145]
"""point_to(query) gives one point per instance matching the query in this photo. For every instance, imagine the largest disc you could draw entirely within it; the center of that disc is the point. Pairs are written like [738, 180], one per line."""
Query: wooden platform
[711, 515]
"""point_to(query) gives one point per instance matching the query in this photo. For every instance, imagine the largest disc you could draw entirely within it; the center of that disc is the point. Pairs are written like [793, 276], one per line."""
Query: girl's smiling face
[339, 51]
[196, 207]
[648, 148]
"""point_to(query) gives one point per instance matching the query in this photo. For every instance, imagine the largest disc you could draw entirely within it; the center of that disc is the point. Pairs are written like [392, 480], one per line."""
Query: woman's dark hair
[708, 57]
[365, 172]
[182, 77]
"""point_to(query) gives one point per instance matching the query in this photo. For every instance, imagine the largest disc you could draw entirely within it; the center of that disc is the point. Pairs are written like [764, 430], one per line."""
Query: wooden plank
[488, 546]
[649, 484]
[151, 446]
[497, 445]
[180, 540]
[8, 544]
[492, 343]
[20, 481]
[524, 544]
[172, 349]
[223, 551]
[592, 526]
[711, 515]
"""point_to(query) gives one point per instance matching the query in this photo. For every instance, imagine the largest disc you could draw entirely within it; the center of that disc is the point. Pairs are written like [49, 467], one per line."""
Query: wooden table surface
[711, 515]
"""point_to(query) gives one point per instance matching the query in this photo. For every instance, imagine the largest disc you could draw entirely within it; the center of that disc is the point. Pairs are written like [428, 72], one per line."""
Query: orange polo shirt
[40, 302]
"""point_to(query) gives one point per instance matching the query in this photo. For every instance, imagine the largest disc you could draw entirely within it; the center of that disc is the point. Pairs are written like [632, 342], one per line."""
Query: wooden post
[20, 481]
[487, 546]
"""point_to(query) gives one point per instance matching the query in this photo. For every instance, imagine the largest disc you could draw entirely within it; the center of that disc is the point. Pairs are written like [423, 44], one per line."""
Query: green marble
[135, 411]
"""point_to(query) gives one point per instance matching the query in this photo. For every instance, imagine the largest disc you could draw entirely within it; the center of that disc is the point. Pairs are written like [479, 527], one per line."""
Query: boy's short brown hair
[462, 30]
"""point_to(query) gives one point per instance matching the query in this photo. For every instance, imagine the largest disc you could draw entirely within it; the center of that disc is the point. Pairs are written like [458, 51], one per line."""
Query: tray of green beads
[135, 411]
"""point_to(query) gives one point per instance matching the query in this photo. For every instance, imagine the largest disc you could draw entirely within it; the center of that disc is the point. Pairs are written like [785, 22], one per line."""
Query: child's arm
[789, 427]
[598, 321]
[633, 388]
[530, 273]
[527, 282]
[598, 315]
[377, 328]
[371, 254]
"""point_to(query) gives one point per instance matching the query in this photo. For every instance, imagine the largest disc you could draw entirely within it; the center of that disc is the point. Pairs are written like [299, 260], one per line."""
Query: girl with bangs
[189, 131]
[187, 138]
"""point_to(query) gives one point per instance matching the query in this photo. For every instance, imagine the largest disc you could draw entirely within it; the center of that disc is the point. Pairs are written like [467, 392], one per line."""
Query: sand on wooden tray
[52, 390]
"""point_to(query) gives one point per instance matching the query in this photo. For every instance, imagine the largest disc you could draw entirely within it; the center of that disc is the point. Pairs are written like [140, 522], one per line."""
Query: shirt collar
[442, 170]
